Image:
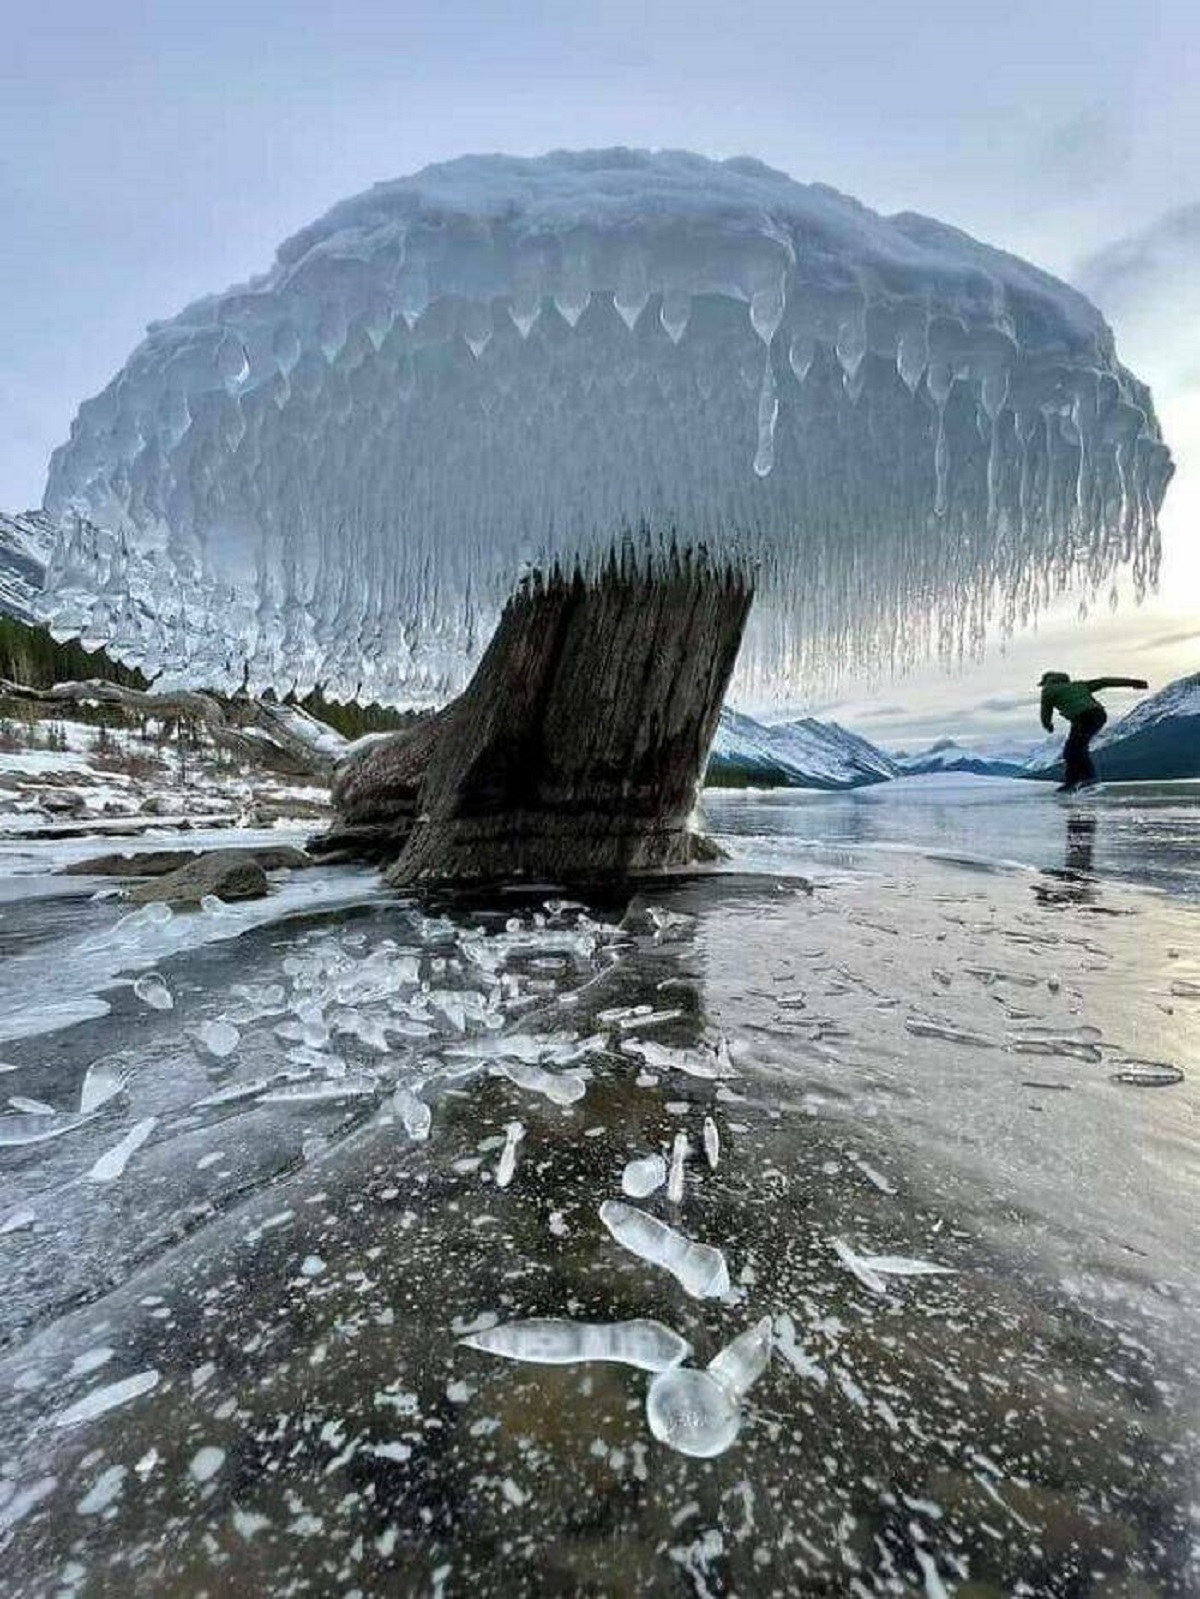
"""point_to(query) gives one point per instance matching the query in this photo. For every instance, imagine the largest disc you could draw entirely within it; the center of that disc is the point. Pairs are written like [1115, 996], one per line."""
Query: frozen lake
[950, 1024]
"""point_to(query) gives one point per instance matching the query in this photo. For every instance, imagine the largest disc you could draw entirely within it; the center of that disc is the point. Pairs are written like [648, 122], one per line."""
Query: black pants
[1077, 759]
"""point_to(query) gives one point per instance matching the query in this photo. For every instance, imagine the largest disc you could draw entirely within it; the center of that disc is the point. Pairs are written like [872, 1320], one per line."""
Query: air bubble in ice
[872, 1270]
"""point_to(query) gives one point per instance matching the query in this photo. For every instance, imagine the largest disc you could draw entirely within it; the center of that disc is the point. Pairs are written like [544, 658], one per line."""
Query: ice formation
[698, 1413]
[699, 1269]
[102, 1400]
[337, 471]
[152, 991]
[113, 1162]
[220, 1038]
[712, 1142]
[507, 1165]
[873, 1270]
[643, 1176]
[647, 1345]
[679, 1153]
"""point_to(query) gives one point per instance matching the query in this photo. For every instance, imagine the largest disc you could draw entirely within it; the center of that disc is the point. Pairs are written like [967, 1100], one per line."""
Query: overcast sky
[152, 152]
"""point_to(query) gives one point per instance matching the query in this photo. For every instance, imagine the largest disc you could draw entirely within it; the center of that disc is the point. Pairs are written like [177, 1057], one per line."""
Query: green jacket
[1071, 697]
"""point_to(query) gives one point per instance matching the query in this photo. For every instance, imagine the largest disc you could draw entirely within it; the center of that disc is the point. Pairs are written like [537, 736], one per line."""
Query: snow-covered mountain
[25, 543]
[801, 754]
[1158, 739]
[994, 758]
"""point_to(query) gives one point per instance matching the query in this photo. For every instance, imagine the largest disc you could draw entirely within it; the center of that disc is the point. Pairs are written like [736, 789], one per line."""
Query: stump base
[576, 750]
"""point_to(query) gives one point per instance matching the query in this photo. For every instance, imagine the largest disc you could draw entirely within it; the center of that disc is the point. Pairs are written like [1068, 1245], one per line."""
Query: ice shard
[644, 1175]
[560, 1088]
[699, 1269]
[712, 1142]
[675, 1177]
[698, 1413]
[113, 1162]
[337, 471]
[647, 1345]
[872, 1270]
[507, 1165]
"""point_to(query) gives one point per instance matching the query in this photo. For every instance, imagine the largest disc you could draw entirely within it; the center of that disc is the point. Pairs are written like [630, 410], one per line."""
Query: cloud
[1005, 702]
[1126, 271]
[887, 713]
[1083, 152]
[1164, 641]
[1147, 283]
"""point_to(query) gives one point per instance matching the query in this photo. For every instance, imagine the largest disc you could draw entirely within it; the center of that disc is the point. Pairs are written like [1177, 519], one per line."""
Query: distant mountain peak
[803, 753]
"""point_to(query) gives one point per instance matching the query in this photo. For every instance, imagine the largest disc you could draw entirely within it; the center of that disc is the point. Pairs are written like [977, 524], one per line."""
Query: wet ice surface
[255, 1329]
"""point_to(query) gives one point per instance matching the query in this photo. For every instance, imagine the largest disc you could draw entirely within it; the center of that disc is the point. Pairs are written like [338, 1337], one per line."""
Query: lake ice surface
[940, 1006]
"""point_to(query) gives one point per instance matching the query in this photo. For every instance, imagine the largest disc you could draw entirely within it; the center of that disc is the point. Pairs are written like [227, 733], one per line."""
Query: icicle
[233, 364]
[645, 1345]
[673, 313]
[768, 415]
[632, 293]
[339, 475]
[766, 311]
[850, 346]
[475, 324]
[801, 351]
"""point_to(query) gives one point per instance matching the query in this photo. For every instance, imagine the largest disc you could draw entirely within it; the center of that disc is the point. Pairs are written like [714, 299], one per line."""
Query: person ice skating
[1075, 700]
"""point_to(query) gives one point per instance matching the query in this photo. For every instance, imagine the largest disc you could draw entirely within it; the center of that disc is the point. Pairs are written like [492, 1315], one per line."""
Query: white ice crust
[336, 472]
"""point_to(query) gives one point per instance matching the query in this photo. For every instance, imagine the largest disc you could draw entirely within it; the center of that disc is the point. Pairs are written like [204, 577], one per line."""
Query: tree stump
[578, 747]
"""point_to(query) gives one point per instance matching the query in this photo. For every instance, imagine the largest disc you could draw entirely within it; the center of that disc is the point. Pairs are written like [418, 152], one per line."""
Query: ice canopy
[337, 472]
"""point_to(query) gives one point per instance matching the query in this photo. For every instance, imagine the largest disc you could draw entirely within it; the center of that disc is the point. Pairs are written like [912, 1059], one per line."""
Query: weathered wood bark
[577, 748]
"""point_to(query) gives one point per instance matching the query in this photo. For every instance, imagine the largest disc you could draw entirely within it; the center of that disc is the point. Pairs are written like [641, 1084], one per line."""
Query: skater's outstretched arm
[1047, 711]
[1095, 683]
